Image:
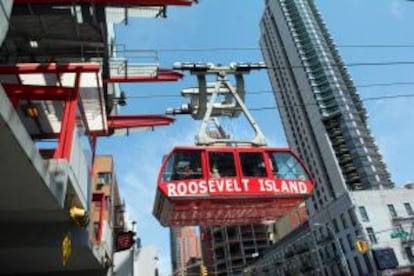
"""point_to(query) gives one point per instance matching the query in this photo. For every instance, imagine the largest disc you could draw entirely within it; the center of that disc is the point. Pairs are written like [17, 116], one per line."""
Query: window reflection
[285, 165]
[183, 165]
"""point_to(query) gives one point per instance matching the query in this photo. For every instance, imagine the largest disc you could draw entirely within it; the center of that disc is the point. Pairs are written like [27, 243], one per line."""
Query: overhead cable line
[314, 104]
[220, 49]
[354, 64]
[257, 92]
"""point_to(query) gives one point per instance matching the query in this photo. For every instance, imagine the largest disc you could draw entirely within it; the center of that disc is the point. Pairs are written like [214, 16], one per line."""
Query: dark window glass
[408, 208]
[252, 164]
[183, 165]
[371, 235]
[95, 229]
[352, 216]
[392, 211]
[222, 164]
[363, 212]
[343, 220]
[104, 178]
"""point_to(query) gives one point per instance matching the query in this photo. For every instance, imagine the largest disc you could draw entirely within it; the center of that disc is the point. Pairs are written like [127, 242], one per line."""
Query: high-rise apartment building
[321, 111]
[185, 245]
[227, 250]
[326, 124]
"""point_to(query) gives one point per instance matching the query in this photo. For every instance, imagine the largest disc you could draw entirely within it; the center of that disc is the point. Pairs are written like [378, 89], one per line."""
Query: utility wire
[354, 64]
[258, 92]
[309, 104]
[218, 49]
[314, 104]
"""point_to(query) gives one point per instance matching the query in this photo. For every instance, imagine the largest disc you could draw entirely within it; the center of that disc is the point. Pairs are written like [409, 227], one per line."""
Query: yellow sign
[66, 248]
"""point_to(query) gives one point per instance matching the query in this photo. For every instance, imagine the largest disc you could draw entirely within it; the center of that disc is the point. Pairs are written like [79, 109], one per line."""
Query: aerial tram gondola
[220, 181]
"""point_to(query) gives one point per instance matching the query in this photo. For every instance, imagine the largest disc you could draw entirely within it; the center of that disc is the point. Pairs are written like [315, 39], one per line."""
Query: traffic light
[361, 246]
[125, 240]
[203, 270]
[79, 216]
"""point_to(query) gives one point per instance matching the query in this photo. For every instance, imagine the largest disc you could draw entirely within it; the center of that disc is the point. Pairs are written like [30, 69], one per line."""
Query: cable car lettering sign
[229, 185]
[217, 187]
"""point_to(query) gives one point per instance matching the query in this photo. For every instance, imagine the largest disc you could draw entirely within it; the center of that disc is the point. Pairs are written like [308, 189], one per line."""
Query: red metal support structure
[34, 68]
[37, 92]
[67, 128]
[112, 2]
[101, 218]
[132, 121]
[162, 75]
[70, 95]
[100, 197]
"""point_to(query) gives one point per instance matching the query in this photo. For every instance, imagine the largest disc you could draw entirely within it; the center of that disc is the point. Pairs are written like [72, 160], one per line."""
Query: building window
[352, 216]
[371, 235]
[368, 263]
[408, 208]
[363, 212]
[341, 244]
[335, 224]
[350, 242]
[358, 265]
[95, 230]
[343, 220]
[392, 211]
[104, 178]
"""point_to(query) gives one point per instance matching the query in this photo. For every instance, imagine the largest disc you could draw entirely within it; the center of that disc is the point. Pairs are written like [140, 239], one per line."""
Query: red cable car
[221, 181]
[213, 185]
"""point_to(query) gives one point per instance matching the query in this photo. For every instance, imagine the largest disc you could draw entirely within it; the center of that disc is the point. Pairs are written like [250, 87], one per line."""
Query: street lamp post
[343, 259]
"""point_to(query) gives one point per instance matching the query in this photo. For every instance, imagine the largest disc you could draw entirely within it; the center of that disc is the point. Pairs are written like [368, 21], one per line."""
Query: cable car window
[222, 164]
[285, 165]
[183, 165]
[253, 164]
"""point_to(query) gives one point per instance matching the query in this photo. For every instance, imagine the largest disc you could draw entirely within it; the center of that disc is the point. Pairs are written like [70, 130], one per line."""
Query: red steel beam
[163, 75]
[111, 2]
[34, 68]
[100, 197]
[67, 128]
[131, 121]
[38, 92]
[119, 122]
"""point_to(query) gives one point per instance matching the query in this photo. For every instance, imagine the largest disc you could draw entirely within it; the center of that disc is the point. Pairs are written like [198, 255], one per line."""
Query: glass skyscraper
[322, 114]
[326, 124]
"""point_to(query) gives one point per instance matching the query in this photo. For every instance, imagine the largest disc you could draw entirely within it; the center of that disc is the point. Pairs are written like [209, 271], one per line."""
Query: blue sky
[234, 24]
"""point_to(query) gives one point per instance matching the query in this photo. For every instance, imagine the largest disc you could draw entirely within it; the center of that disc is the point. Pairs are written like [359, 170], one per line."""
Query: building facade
[185, 246]
[326, 124]
[227, 250]
[58, 94]
[107, 210]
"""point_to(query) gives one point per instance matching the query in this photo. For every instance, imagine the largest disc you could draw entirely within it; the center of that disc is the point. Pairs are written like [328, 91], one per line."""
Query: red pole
[93, 144]
[101, 218]
[67, 128]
